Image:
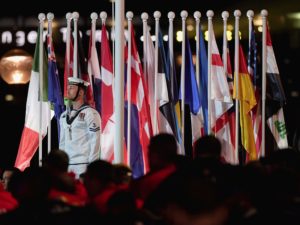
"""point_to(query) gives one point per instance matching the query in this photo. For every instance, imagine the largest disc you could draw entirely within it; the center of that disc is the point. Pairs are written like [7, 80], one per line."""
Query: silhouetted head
[57, 160]
[207, 147]
[99, 175]
[162, 150]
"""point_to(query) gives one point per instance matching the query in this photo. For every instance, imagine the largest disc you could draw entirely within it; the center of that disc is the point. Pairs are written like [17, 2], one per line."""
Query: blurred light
[229, 35]
[190, 27]
[295, 15]
[295, 94]
[166, 37]
[15, 66]
[260, 29]
[257, 21]
[179, 59]
[179, 36]
[230, 27]
[9, 98]
[206, 35]
[152, 38]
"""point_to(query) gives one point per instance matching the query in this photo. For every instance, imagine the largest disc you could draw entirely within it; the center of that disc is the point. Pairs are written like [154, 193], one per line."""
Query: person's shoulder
[90, 111]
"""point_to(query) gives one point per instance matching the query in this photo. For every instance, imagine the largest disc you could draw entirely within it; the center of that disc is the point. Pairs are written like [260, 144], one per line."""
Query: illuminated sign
[20, 37]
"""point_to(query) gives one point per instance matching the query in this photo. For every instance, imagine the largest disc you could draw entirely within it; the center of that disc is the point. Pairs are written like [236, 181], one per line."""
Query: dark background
[285, 34]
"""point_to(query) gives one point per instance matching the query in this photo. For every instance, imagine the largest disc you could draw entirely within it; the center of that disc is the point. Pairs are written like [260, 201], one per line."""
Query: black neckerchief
[70, 120]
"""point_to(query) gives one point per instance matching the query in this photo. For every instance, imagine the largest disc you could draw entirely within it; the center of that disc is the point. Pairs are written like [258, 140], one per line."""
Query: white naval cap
[77, 81]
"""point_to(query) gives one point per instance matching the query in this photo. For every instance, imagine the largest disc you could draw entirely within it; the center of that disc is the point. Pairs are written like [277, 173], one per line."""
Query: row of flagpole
[118, 84]
[184, 15]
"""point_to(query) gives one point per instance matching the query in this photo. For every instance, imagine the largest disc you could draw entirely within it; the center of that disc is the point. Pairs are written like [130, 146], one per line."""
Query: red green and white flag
[30, 136]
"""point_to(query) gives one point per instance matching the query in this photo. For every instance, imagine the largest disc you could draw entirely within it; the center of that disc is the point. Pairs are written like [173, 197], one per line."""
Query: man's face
[72, 91]
[6, 177]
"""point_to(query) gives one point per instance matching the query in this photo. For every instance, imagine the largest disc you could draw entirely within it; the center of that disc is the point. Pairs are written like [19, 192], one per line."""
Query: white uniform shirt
[80, 137]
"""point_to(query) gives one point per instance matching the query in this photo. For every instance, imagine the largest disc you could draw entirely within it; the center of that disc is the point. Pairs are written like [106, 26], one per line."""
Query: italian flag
[30, 136]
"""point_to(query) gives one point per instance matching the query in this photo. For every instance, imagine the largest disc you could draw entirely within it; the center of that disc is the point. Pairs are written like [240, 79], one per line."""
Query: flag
[107, 99]
[221, 102]
[192, 97]
[149, 58]
[54, 89]
[140, 117]
[256, 111]
[94, 71]
[68, 71]
[275, 98]
[174, 91]
[83, 72]
[247, 102]
[231, 111]
[203, 80]
[166, 119]
[30, 134]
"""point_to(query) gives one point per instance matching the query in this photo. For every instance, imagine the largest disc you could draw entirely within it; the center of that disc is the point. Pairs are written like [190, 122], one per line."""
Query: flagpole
[157, 16]
[225, 16]
[75, 52]
[68, 43]
[129, 16]
[119, 82]
[264, 14]
[209, 14]
[144, 18]
[94, 17]
[197, 16]
[250, 15]
[113, 30]
[183, 15]
[68, 40]
[41, 17]
[237, 14]
[50, 17]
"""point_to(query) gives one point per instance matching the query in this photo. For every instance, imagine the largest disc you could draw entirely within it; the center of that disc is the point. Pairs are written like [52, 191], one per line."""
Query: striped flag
[141, 128]
[256, 111]
[276, 98]
[30, 136]
[247, 102]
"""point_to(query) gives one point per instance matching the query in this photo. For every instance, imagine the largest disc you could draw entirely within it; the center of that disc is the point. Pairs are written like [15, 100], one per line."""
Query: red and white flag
[107, 99]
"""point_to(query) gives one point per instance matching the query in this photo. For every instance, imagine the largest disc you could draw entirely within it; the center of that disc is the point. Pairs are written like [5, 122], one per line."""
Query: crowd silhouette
[178, 189]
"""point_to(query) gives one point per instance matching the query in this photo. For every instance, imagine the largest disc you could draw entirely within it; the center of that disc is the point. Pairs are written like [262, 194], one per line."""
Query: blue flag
[54, 89]
[203, 64]
[192, 97]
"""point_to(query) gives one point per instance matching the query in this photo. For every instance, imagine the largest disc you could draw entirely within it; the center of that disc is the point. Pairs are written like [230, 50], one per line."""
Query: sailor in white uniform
[80, 129]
